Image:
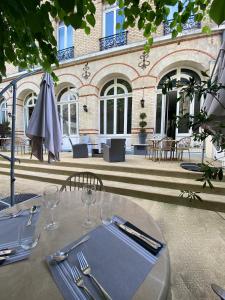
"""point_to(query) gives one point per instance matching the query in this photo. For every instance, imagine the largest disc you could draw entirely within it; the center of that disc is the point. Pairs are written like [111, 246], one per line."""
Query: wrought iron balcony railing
[65, 54]
[112, 41]
[190, 24]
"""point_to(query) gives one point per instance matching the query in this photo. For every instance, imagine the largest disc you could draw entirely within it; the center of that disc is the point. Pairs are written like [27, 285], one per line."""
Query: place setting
[109, 262]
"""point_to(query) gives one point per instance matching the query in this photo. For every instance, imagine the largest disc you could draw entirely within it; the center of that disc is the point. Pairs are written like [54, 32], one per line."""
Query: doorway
[170, 114]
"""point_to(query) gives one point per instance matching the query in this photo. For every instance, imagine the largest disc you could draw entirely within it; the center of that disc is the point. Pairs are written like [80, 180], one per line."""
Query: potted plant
[5, 129]
[142, 124]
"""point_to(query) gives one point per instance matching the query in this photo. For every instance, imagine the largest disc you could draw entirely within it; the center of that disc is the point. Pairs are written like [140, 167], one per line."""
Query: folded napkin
[144, 244]
[116, 260]
[9, 234]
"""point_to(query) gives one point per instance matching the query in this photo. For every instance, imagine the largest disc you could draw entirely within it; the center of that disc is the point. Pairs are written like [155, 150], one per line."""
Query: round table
[31, 280]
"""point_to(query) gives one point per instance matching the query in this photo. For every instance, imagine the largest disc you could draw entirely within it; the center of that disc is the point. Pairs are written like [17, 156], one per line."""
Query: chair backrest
[118, 143]
[78, 180]
[184, 142]
[167, 143]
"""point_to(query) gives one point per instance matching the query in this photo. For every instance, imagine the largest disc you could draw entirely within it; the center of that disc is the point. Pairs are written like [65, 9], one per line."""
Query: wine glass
[88, 197]
[51, 197]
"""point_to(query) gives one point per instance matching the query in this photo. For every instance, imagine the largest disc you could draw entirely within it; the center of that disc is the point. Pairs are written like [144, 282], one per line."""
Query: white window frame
[61, 25]
[177, 76]
[3, 110]
[113, 9]
[29, 101]
[68, 102]
[114, 97]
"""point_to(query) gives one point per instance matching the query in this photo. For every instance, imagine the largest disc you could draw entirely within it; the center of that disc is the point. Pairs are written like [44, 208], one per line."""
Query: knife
[142, 237]
[4, 252]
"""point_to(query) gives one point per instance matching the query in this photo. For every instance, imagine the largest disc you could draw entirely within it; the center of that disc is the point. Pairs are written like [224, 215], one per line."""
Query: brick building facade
[102, 79]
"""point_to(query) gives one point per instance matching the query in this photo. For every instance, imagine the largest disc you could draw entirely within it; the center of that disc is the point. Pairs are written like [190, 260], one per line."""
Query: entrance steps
[154, 182]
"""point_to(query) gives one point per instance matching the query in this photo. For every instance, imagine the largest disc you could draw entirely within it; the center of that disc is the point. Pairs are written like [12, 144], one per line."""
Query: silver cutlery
[33, 211]
[3, 258]
[86, 270]
[61, 256]
[4, 252]
[77, 277]
[142, 237]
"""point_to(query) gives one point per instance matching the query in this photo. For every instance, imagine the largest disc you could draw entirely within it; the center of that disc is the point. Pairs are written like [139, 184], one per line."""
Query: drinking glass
[51, 197]
[28, 236]
[88, 197]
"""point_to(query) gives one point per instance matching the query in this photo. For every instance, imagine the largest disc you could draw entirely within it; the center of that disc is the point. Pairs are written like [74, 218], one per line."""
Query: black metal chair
[114, 150]
[78, 180]
[79, 150]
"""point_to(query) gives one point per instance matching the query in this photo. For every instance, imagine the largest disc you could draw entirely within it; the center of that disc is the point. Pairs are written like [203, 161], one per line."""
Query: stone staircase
[160, 184]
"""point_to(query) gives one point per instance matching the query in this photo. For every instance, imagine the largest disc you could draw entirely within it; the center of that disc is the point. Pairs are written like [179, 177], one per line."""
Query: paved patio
[195, 239]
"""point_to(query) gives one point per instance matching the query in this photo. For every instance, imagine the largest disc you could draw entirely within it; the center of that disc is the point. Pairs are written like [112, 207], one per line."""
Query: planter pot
[142, 138]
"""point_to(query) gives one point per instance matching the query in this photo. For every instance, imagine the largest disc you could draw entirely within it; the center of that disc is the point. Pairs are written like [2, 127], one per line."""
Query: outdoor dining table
[30, 279]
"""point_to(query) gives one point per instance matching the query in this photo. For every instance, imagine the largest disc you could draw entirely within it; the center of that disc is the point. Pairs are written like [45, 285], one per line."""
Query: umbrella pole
[12, 173]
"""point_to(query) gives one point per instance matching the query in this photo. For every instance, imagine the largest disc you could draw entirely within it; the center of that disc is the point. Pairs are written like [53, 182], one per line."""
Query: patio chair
[114, 150]
[77, 181]
[20, 145]
[79, 150]
[167, 146]
[183, 144]
[152, 149]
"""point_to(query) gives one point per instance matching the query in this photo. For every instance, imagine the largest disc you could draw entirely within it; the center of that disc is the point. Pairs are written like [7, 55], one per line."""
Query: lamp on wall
[85, 108]
[142, 101]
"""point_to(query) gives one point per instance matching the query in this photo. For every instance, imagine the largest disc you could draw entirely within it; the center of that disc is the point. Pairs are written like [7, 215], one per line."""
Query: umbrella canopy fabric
[214, 104]
[44, 126]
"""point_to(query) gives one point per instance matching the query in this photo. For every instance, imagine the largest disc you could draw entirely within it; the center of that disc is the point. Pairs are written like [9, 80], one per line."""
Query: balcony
[113, 41]
[65, 54]
[191, 24]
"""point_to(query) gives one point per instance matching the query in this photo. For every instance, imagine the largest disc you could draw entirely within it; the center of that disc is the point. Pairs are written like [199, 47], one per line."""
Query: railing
[112, 41]
[190, 24]
[65, 54]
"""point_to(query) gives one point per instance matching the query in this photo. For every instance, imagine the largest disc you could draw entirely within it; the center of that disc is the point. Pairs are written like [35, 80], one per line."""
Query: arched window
[65, 36]
[3, 111]
[167, 107]
[116, 107]
[29, 104]
[68, 110]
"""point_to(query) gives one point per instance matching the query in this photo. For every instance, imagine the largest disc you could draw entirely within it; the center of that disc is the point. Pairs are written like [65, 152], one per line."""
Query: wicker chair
[77, 181]
[183, 144]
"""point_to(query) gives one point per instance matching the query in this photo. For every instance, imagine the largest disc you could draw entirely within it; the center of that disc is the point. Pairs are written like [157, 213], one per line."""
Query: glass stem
[88, 217]
[52, 216]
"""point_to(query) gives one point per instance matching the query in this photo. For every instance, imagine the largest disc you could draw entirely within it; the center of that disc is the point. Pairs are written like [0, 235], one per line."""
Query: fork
[77, 277]
[86, 270]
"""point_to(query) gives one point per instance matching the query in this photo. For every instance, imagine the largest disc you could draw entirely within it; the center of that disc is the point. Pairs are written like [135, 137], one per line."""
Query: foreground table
[31, 279]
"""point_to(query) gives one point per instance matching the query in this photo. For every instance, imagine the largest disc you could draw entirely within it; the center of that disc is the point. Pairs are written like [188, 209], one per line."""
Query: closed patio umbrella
[44, 126]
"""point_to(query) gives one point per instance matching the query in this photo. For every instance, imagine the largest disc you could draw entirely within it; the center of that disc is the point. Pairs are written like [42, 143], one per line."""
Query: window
[65, 36]
[112, 16]
[113, 37]
[68, 108]
[65, 42]
[3, 111]
[29, 104]
[116, 107]
[167, 106]
[189, 25]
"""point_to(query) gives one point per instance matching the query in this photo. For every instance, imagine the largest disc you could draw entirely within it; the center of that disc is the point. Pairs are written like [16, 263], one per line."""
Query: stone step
[131, 178]
[162, 194]
[148, 167]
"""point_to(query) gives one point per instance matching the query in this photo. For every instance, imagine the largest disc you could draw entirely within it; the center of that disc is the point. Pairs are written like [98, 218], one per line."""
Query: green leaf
[217, 11]
[174, 34]
[91, 19]
[67, 5]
